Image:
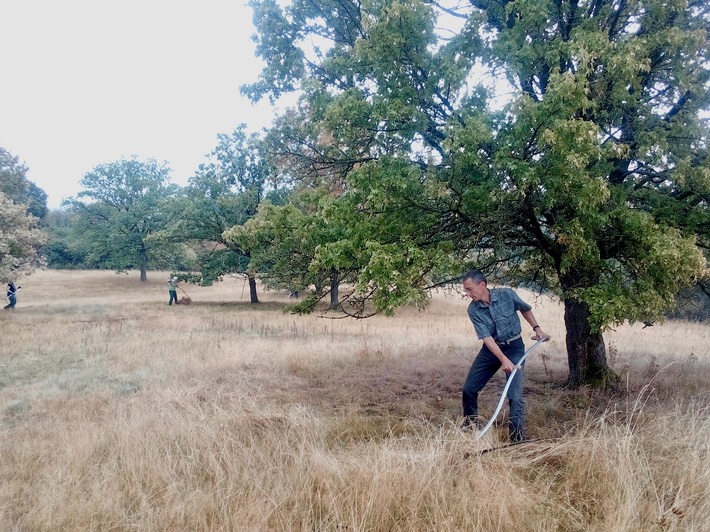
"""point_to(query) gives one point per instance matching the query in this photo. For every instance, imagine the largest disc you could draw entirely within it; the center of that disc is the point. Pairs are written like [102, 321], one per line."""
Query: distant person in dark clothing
[11, 296]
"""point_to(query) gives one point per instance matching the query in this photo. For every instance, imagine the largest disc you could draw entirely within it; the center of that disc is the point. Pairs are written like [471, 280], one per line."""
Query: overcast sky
[91, 81]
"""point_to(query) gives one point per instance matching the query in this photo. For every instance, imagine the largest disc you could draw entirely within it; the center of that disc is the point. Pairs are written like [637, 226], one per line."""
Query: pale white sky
[90, 81]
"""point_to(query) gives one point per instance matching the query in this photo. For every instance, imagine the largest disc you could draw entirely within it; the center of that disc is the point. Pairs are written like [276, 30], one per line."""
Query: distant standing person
[172, 290]
[493, 313]
[11, 296]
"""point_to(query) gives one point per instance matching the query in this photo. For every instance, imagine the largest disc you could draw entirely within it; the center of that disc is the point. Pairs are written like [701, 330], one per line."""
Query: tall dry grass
[118, 412]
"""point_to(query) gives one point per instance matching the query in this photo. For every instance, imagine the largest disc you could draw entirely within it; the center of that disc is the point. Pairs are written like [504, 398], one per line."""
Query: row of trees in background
[129, 215]
[400, 167]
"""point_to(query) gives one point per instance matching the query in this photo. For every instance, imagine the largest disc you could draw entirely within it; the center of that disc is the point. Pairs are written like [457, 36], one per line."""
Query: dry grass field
[119, 412]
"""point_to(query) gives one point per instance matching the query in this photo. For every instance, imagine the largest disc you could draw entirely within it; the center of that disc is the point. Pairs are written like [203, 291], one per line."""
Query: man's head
[475, 285]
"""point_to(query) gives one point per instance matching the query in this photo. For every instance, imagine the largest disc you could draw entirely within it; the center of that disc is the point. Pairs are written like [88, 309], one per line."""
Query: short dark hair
[476, 276]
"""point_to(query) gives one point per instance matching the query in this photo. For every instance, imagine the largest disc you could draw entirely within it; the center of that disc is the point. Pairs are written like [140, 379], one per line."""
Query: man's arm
[539, 333]
[492, 346]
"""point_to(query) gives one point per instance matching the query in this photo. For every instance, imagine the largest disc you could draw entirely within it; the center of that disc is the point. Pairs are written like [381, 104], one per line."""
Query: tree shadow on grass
[266, 306]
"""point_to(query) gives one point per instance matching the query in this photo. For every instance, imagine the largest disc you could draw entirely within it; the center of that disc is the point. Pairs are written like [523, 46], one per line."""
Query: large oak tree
[119, 211]
[589, 178]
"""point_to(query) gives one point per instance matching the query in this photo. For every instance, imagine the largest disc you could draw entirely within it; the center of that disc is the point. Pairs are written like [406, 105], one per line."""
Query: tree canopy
[126, 206]
[591, 179]
[283, 240]
[224, 192]
[20, 240]
[15, 185]
[21, 205]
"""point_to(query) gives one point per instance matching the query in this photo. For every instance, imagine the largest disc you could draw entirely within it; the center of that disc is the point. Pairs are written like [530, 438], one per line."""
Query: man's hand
[507, 365]
[541, 335]
[494, 348]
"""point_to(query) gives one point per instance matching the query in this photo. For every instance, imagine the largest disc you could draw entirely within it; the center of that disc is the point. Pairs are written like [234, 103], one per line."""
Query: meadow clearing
[119, 412]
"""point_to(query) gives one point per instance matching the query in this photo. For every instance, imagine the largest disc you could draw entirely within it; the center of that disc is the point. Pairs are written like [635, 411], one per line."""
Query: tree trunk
[144, 272]
[334, 288]
[143, 265]
[252, 289]
[586, 352]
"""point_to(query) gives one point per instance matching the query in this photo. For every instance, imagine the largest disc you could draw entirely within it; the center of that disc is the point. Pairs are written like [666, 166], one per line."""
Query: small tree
[20, 240]
[22, 204]
[282, 241]
[224, 192]
[15, 185]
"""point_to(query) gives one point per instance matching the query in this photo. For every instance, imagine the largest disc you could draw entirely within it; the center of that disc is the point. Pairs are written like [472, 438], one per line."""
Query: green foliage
[117, 228]
[692, 304]
[642, 282]
[15, 185]
[36, 201]
[277, 41]
[22, 204]
[64, 246]
[224, 192]
[382, 235]
[214, 265]
[591, 182]
[282, 242]
[20, 240]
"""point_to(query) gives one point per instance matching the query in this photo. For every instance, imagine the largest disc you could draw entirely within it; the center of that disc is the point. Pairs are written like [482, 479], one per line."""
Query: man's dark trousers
[485, 365]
